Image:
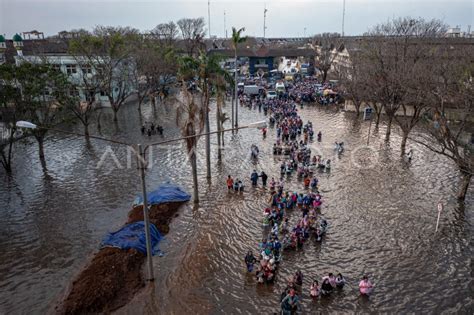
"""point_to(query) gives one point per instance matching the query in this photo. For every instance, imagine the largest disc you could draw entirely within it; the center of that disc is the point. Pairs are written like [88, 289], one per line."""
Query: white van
[280, 87]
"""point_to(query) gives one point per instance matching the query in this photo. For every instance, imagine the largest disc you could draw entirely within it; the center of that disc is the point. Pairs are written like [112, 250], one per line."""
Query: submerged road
[382, 214]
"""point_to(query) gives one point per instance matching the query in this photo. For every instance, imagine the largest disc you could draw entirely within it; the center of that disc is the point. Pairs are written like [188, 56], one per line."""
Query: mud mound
[108, 282]
[114, 275]
[160, 215]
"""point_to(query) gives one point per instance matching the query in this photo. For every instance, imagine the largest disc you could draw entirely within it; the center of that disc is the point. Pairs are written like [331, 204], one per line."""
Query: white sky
[284, 17]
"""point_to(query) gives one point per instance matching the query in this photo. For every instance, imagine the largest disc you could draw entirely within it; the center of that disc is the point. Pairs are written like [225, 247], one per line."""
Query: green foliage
[237, 37]
[36, 92]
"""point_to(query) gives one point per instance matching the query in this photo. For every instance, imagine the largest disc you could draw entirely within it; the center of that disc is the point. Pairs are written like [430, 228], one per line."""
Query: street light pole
[142, 164]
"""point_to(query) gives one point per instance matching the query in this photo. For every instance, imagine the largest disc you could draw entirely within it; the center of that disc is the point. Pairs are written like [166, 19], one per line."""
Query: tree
[396, 51]
[192, 32]
[165, 33]
[221, 118]
[328, 46]
[109, 50]
[190, 117]
[353, 81]
[237, 39]
[155, 64]
[44, 93]
[11, 111]
[447, 123]
[209, 72]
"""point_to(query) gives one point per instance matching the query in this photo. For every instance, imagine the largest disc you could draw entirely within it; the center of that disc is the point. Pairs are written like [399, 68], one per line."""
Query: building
[54, 51]
[265, 55]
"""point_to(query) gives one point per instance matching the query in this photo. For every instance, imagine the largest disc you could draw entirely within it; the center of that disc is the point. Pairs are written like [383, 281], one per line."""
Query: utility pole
[225, 29]
[343, 15]
[209, 16]
[264, 19]
[304, 32]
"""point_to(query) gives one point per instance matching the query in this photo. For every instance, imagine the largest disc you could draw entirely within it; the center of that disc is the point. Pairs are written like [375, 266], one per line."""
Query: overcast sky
[284, 17]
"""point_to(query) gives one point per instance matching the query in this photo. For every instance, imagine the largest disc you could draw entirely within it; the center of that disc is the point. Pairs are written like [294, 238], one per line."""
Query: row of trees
[36, 93]
[119, 62]
[193, 110]
[405, 69]
[115, 62]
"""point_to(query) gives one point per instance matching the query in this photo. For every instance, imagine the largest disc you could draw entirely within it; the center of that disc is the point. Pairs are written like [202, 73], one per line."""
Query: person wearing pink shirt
[365, 286]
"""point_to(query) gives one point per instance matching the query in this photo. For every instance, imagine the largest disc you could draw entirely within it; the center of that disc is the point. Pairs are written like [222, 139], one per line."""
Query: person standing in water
[365, 286]
[314, 289]
[250, 260]
[230, 182]
[340, 281]
[264, 178]
[254, 178]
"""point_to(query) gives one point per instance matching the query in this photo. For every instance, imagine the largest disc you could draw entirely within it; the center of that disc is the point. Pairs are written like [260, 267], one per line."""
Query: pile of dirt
[114, 275]
[160, 215]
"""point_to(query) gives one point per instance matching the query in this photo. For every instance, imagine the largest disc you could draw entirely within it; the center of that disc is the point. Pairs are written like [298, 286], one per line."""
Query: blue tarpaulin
[165, 193]
[133, 236]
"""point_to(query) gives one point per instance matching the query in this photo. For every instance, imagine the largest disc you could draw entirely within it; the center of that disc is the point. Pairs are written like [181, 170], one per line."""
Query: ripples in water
[382, 218]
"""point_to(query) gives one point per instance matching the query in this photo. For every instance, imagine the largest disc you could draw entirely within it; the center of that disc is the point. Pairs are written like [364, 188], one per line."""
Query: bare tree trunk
[357, 108]
[115, 113]
[86, 130]
[404, 142]
[236, 96]
[219, 134]
[208, 136]
[325, 75]
[219, 147]
[377, 120]
[233, 122]
[192, 157]
[98, 121]
[465, 182]
[153, 102]
[140, 100]
[389, 128]
[222, 135]
[7, 158]
[40, 140]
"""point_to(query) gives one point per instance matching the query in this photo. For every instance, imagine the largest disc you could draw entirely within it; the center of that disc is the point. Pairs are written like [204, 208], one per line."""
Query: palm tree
[190, 117]
[221, 82]
[236, 40]
[209, 72]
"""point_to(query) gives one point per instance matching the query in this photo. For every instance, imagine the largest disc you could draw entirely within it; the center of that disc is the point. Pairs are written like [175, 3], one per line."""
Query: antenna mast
[343, 15]
[264, 19]
[209, 16]
[225, 28]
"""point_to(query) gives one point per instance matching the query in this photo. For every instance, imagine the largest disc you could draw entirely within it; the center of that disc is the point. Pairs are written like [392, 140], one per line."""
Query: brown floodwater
[381, 210]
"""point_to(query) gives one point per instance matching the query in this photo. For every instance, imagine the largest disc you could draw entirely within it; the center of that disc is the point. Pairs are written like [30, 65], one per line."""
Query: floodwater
[381, 211]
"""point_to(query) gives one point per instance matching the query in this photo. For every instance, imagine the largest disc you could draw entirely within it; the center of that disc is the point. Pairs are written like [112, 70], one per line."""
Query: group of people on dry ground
[149, 129]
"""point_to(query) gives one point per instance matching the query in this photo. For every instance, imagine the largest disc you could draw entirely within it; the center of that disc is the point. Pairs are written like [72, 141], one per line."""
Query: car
[280, 87]
[271, 95]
